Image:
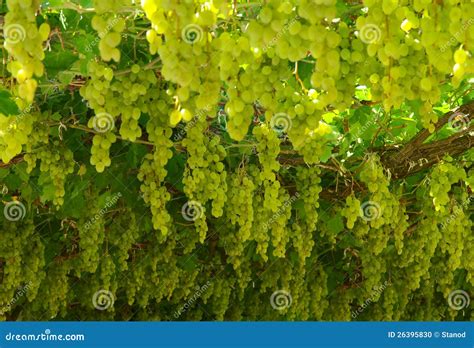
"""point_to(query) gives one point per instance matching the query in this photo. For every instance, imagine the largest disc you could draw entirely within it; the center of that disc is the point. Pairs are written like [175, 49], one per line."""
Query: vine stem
[149, 66]
[88, 130]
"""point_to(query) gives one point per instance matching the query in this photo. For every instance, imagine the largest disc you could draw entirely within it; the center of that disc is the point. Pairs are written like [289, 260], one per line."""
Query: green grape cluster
[302, 240]
[15, 132]
[109, 26]
[126, 97]
[56, 163]
[243, 85]
[351, 211]
[308, 185]
[239, 211]
[91, 232]
[443, 177]
[183, 43]
[277, 224]
[98, 86]
[205, 178]
[107, 274]
[22, 267]
[268, 148]
[54, 291]
[153, 173]
[34, 262]
[397, 35]
[260, 233]
[24, 42]
[379, 210]
[122, 238]
[100, 150]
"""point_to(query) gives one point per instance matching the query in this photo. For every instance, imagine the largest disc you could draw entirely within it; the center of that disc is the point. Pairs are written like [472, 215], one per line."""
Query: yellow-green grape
[239, 211]
[186, 48]
[302, 239]
[100, 150]
[205, 178]
[396, 36]
[260, 230]
[308, 185]
[56, 162]
[24, 42]
[109, 26]
[268, 147]
[107, 271]
[312, 144]
[351, 211]
[91, 237]
[153, 173]
[97, 88]
[55, 166]
[15, 132]
[54, 291]
[14, 247]
[444, 175]
[378, 210]
[33, 261]
[123, 237]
